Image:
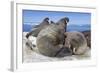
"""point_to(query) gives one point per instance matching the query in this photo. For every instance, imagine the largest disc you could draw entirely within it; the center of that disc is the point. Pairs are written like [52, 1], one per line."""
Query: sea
[72, 27]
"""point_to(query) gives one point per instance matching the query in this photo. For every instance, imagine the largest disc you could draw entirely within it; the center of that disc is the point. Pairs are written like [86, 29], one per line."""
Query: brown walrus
[50, 39]
[76, 42]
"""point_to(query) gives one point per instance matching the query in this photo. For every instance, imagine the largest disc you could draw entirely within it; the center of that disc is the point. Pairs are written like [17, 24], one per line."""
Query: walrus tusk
[74, 50]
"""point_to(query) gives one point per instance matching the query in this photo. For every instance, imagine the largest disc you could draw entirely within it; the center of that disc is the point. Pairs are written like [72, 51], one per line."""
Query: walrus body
[50, 40]
[76, 42]
[36, 29]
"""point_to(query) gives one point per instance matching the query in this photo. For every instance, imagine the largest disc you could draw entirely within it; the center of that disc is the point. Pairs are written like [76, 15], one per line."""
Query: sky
[33, 17]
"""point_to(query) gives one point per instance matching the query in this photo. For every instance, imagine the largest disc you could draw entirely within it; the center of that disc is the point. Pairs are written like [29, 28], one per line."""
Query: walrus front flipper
[63, 52]
[33, 33]
[28, 34]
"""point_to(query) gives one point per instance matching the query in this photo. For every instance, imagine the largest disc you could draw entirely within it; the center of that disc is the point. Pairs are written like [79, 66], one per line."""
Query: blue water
[84, 27]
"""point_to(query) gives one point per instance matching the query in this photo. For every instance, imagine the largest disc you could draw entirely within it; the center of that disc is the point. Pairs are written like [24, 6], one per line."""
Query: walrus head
[62, 23]
[46, 19]
[64, 20]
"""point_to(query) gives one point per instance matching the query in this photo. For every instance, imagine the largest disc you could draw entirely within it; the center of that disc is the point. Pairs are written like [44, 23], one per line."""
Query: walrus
[76, 42]
[36, 29]
[87, 35]
[50, 39]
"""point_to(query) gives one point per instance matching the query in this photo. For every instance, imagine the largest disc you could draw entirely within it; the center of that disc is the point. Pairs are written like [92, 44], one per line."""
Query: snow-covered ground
[32, 56]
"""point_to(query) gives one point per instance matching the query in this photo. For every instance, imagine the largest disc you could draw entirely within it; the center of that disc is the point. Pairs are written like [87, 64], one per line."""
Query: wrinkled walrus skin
[50, 40]
[36, 29]
[76, 41]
